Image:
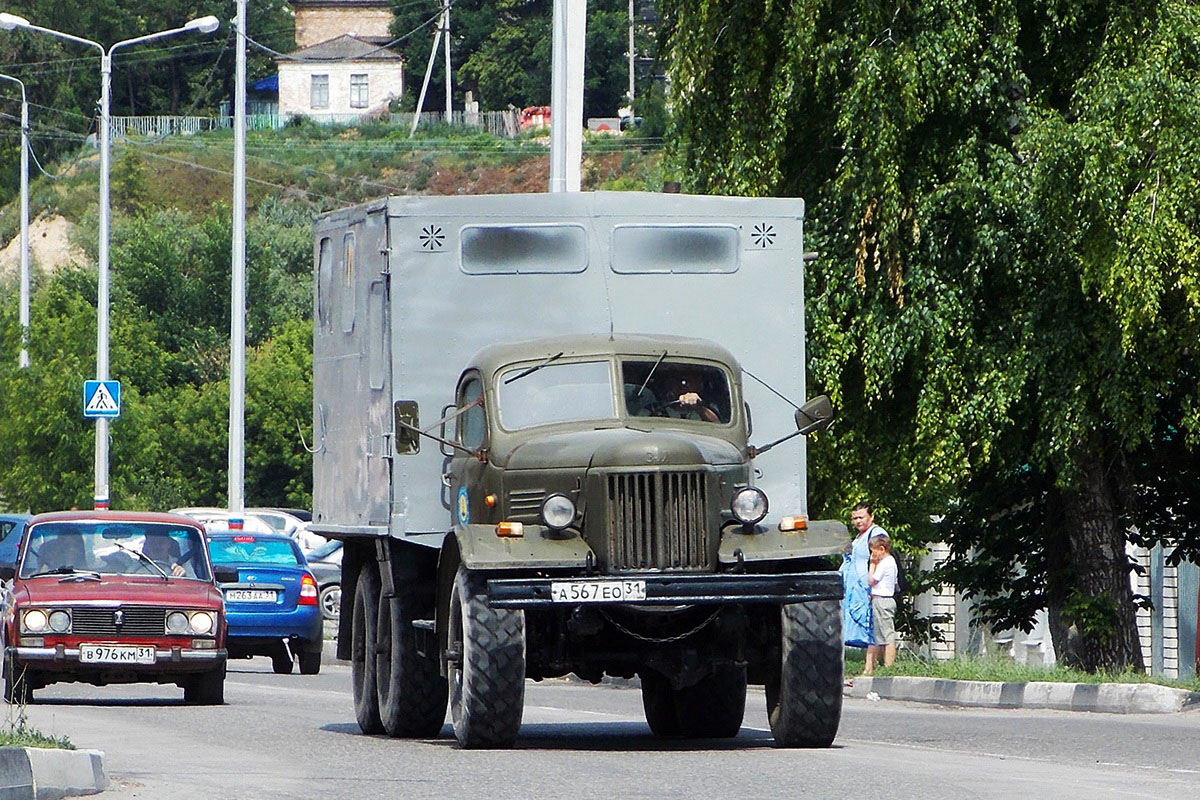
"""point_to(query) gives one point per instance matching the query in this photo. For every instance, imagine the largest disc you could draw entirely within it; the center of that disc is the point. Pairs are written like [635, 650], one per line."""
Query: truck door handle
[446, 479]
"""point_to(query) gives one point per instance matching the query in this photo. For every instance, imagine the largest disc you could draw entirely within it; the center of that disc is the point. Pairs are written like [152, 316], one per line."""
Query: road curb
[36, 773]
[1107, 698]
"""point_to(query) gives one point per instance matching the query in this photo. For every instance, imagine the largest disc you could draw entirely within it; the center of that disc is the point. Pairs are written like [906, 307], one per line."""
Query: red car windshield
[114, 548]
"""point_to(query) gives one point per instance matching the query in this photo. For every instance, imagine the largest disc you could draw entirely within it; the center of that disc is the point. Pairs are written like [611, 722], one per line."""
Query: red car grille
[123, 621]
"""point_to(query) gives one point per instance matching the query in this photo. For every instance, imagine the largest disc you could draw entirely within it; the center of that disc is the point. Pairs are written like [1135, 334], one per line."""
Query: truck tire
[804, 698]
[486, 667]
[411, 691]
[362, 651]
[207, 689]
[658, 701]
[714, 707]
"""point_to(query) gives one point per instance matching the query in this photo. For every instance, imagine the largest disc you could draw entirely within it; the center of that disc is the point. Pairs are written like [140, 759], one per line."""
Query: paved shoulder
[1111, 698]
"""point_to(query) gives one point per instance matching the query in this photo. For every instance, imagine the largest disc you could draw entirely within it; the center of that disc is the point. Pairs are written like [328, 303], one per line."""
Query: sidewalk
[1108, 698]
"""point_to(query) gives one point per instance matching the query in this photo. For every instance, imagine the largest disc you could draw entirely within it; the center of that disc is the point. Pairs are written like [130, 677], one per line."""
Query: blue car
[273, 608]
[11, 528]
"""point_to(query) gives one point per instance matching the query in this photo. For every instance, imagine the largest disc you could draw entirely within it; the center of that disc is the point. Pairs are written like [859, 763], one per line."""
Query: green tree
[500, 50]
[1006, 303]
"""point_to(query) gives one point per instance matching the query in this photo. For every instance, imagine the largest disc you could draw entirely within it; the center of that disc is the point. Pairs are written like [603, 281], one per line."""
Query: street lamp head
[203, 24]
[10, 21]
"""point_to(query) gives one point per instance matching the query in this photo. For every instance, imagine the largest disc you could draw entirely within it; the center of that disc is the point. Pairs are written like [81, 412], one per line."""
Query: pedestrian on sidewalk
[882, 578]
[857, 625]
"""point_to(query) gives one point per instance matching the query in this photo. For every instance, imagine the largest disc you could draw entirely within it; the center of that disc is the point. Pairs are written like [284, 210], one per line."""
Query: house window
[320, 91]
[358, 91]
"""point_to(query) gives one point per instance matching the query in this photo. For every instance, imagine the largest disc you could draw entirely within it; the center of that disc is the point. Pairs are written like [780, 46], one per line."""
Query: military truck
[533, 432]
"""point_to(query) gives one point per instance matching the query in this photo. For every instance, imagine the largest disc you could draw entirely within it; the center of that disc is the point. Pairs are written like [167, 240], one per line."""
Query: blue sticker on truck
[464, 508]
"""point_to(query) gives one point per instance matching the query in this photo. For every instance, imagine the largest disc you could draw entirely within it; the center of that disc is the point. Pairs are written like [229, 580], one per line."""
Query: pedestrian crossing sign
[101, 398]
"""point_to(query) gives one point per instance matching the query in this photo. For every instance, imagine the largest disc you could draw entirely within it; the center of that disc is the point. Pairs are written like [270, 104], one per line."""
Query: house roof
[345, 48]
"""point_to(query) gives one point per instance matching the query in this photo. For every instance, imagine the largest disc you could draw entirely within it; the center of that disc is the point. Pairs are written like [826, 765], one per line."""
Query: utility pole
[566, 94]
[237, 298]
[446, 32]
[444, 22]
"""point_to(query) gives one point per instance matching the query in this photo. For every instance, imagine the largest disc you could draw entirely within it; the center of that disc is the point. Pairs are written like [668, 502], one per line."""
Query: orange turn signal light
[798, 523]
[511, 529]
[489, 500]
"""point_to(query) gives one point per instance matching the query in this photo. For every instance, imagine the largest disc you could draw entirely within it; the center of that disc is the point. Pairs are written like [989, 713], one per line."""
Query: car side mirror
[8, 572]
[225, 574]
[815, 415]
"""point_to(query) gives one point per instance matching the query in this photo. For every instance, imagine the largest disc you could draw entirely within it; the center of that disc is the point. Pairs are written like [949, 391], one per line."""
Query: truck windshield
[556, 393]
[676, 389]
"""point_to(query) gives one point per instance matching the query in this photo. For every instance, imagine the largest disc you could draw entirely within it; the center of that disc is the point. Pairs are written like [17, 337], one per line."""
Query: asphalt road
[294, 737]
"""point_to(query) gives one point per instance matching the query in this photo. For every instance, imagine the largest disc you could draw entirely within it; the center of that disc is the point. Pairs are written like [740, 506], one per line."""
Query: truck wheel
[207, 689]
[485, 667]
[410, 688]
[804, 698]
[362, 651]
[658, 701]
[714, 707]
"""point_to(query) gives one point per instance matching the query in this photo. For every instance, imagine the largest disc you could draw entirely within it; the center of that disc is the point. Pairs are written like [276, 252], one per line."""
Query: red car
[106, 597]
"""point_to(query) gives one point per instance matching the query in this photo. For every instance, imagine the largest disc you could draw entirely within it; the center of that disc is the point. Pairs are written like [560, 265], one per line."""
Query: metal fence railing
[497, 123]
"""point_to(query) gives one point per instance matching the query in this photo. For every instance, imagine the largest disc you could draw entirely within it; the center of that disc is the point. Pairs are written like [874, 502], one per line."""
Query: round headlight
[35, 620]
[558, 511]
[177, 622]
[202, 622]
[60, 621]
[749, 505]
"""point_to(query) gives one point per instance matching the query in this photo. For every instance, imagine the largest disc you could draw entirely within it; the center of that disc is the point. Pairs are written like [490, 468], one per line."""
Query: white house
[343, 78]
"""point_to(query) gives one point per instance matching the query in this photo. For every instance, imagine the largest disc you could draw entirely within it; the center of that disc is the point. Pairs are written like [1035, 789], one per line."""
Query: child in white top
[882, 578]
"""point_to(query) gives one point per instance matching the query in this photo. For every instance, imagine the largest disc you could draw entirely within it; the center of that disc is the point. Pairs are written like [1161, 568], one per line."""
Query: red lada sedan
[106, 597]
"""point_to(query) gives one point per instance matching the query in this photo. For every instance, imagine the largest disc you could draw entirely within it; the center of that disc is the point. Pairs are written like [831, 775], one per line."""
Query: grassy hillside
[322, 167]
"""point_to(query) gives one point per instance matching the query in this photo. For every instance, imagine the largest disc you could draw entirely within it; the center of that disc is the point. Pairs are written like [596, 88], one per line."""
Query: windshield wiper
[533, 369]
[145, 559]
[67, 571]
[650, 374]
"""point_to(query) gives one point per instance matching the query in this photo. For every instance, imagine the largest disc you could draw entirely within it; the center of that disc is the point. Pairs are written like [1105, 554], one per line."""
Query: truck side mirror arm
[815, 415]
[406, 414]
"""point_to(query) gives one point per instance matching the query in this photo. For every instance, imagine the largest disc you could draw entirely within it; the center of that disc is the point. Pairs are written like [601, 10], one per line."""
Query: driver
[164, 551]
[681, 395]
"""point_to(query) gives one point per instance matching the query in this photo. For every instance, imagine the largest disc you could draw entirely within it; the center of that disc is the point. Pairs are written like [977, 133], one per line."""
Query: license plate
[597, 591]
[116, 654]
[250, 595]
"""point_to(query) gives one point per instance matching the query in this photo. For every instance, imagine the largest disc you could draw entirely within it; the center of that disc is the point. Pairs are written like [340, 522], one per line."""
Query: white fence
[497, 123]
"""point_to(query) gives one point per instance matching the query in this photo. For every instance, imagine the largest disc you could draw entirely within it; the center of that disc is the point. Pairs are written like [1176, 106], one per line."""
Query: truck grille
[135, 621]
[657, 520]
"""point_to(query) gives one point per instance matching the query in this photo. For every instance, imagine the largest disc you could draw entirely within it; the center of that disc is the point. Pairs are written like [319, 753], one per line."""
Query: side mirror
[225, 574]
[408, 440]
[815, 415]
[8, 572]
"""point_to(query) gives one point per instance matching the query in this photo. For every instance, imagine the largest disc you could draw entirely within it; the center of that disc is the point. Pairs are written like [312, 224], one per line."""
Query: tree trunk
[1100, 611]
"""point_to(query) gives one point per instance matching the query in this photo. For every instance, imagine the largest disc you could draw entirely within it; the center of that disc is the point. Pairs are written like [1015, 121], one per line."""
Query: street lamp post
[24, 360]
[202, 25]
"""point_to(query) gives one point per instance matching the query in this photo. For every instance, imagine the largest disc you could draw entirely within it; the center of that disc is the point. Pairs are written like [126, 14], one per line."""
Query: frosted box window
[523, 249]
[638, 249]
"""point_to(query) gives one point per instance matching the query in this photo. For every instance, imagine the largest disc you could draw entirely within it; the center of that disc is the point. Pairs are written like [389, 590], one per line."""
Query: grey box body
[408, 289]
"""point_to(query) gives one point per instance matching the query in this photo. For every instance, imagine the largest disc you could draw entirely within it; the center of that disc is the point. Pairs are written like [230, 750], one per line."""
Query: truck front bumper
[663, 589]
